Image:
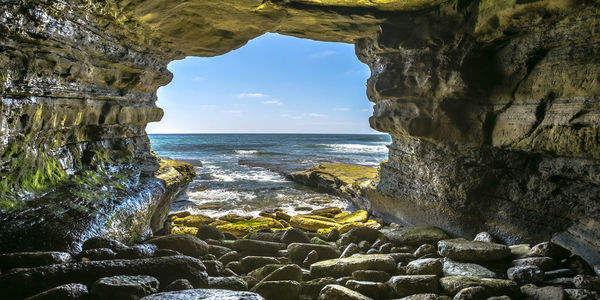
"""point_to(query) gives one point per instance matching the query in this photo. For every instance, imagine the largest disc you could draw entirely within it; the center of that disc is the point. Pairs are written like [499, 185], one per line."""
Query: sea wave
[253, 152]
[356, 148]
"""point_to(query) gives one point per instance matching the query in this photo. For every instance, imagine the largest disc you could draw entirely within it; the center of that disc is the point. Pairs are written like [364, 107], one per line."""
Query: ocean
[241, 173]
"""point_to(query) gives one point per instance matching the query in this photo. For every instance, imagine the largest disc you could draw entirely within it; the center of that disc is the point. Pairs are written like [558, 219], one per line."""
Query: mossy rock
[186, 170]
[311, 224]
[233, 218]
[357, 216]
[193, 221]
[243, 228]
[348, 226]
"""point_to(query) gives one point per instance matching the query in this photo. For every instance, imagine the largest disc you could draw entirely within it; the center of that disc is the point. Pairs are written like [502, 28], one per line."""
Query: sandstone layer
[492, 105]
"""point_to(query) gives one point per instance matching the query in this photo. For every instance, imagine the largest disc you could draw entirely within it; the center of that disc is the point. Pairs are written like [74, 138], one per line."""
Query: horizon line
[377, 133]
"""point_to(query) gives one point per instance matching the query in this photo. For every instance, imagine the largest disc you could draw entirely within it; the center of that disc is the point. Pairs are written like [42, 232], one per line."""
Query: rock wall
[492, 105]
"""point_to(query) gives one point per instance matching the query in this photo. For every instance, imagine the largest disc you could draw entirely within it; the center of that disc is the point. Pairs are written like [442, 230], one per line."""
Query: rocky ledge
[365, 262]
[112, 202]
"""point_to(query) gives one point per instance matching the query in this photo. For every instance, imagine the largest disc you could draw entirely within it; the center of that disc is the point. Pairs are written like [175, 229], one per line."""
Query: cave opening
[248, 118]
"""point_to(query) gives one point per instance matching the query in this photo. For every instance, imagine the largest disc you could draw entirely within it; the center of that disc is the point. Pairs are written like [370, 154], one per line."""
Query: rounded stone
[209, 232]
[525, 274]
[425, 266]
[294, 235]
[124, 287]
[183, 243]
[179, 285]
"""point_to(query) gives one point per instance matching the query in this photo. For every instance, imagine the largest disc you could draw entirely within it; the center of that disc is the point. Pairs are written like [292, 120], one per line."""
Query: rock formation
[492, 105]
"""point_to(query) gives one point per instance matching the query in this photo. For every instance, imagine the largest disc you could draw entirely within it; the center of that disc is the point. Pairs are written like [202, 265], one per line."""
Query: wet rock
[385, 248]
[375, 290]
[333, 235]
[283, 216]
[364, 246]
[250, 263]
[415, 236]
[97, 254]
[32, 259]
[451, 285]
[260, 273]
[138, 251]
[549, 249]
[472, 293]
[359, 216]
[204, 294]
[103, 242]
[581, 294]
[227, 283]
[213, 267]
[424, 250]
[183, 243]
[70, 291]
[403, 286]
[542, 293]
[124, 287]
[166, 252]
[23, 282]
[318, 241]
[425, 266]
[287, 272]
[254, 247]
[351, 249]
[218, 251]
[484, 237]
[338, 292]
[297, 251]
[587, 282]
[179, 285]
[327, 211]
[371, 275]
[209, 232]
[402, 257]
[519, 251]
[452, 268]
[312, 224]
[229, 257]
[544, 263]
[359, 234]
[264, 236]
[193, 221]
[278, 290]
[525, 274]
[345, 266]
[426, 296]
[294, 235]
[311, 288]
[472, 251]
[311, 258]
[558, 273]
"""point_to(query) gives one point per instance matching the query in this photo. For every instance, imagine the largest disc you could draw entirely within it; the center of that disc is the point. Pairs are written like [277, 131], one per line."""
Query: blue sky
[274, 84]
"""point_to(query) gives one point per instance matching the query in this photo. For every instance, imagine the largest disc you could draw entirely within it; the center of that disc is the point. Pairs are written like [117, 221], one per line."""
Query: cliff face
[492, 105]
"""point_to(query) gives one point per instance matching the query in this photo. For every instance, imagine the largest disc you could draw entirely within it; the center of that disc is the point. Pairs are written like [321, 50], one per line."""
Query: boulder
[311, 288]
[311, 258]
[183, 243]
[311, 224]
[350, 250]
[472, 251]
[371, 275]
[484, 237]
[375, 290]
[425, 249]
[453, 268]
[542, 293]
[193, 221]
[250, 263]
[451, 285]
[70, 291]
[32, 259]
[359, 216]
[525, 274]
[124, 287]
[207, 294]
[137, 252]
[345, 266]
[587, 282]
[209, 232]
[97, 254]
[358, 235]
[278, 290]
[425, 266]
[227, 283]
[294, 235]
[213, 267]
[415, 236]
[544, 263]
[549, 249]
[297, 251]
[179, 285]
[288, 272]
[338, 292]
[103, 242]
[218, 251]
[472, 293]
[253, 247]
[403, 286]
[22, 283]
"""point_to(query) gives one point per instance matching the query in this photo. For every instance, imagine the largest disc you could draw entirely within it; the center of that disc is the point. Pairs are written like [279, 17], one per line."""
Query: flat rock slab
[124, 287]
[26, 282]
[198, 294]
[345, 266]
[472, 251]
[415, 236]
[453, 284]
[453, 268]
[403, 286]
[70, 291]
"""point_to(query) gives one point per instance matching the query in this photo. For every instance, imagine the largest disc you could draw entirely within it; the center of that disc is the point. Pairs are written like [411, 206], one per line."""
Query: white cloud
[198, 78]
[315, 115]
[251, 95]
[342, 109]
[233, 111]
[272, 102]
[322, 54]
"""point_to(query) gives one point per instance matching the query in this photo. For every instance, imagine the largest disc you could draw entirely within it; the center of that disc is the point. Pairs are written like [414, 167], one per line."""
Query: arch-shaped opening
[248, 118]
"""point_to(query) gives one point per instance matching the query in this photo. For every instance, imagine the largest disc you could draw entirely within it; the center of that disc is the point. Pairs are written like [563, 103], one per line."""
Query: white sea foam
[246, 152]
[356, 148]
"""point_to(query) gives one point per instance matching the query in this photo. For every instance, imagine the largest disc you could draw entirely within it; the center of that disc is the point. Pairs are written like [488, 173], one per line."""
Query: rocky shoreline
[368, 261]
